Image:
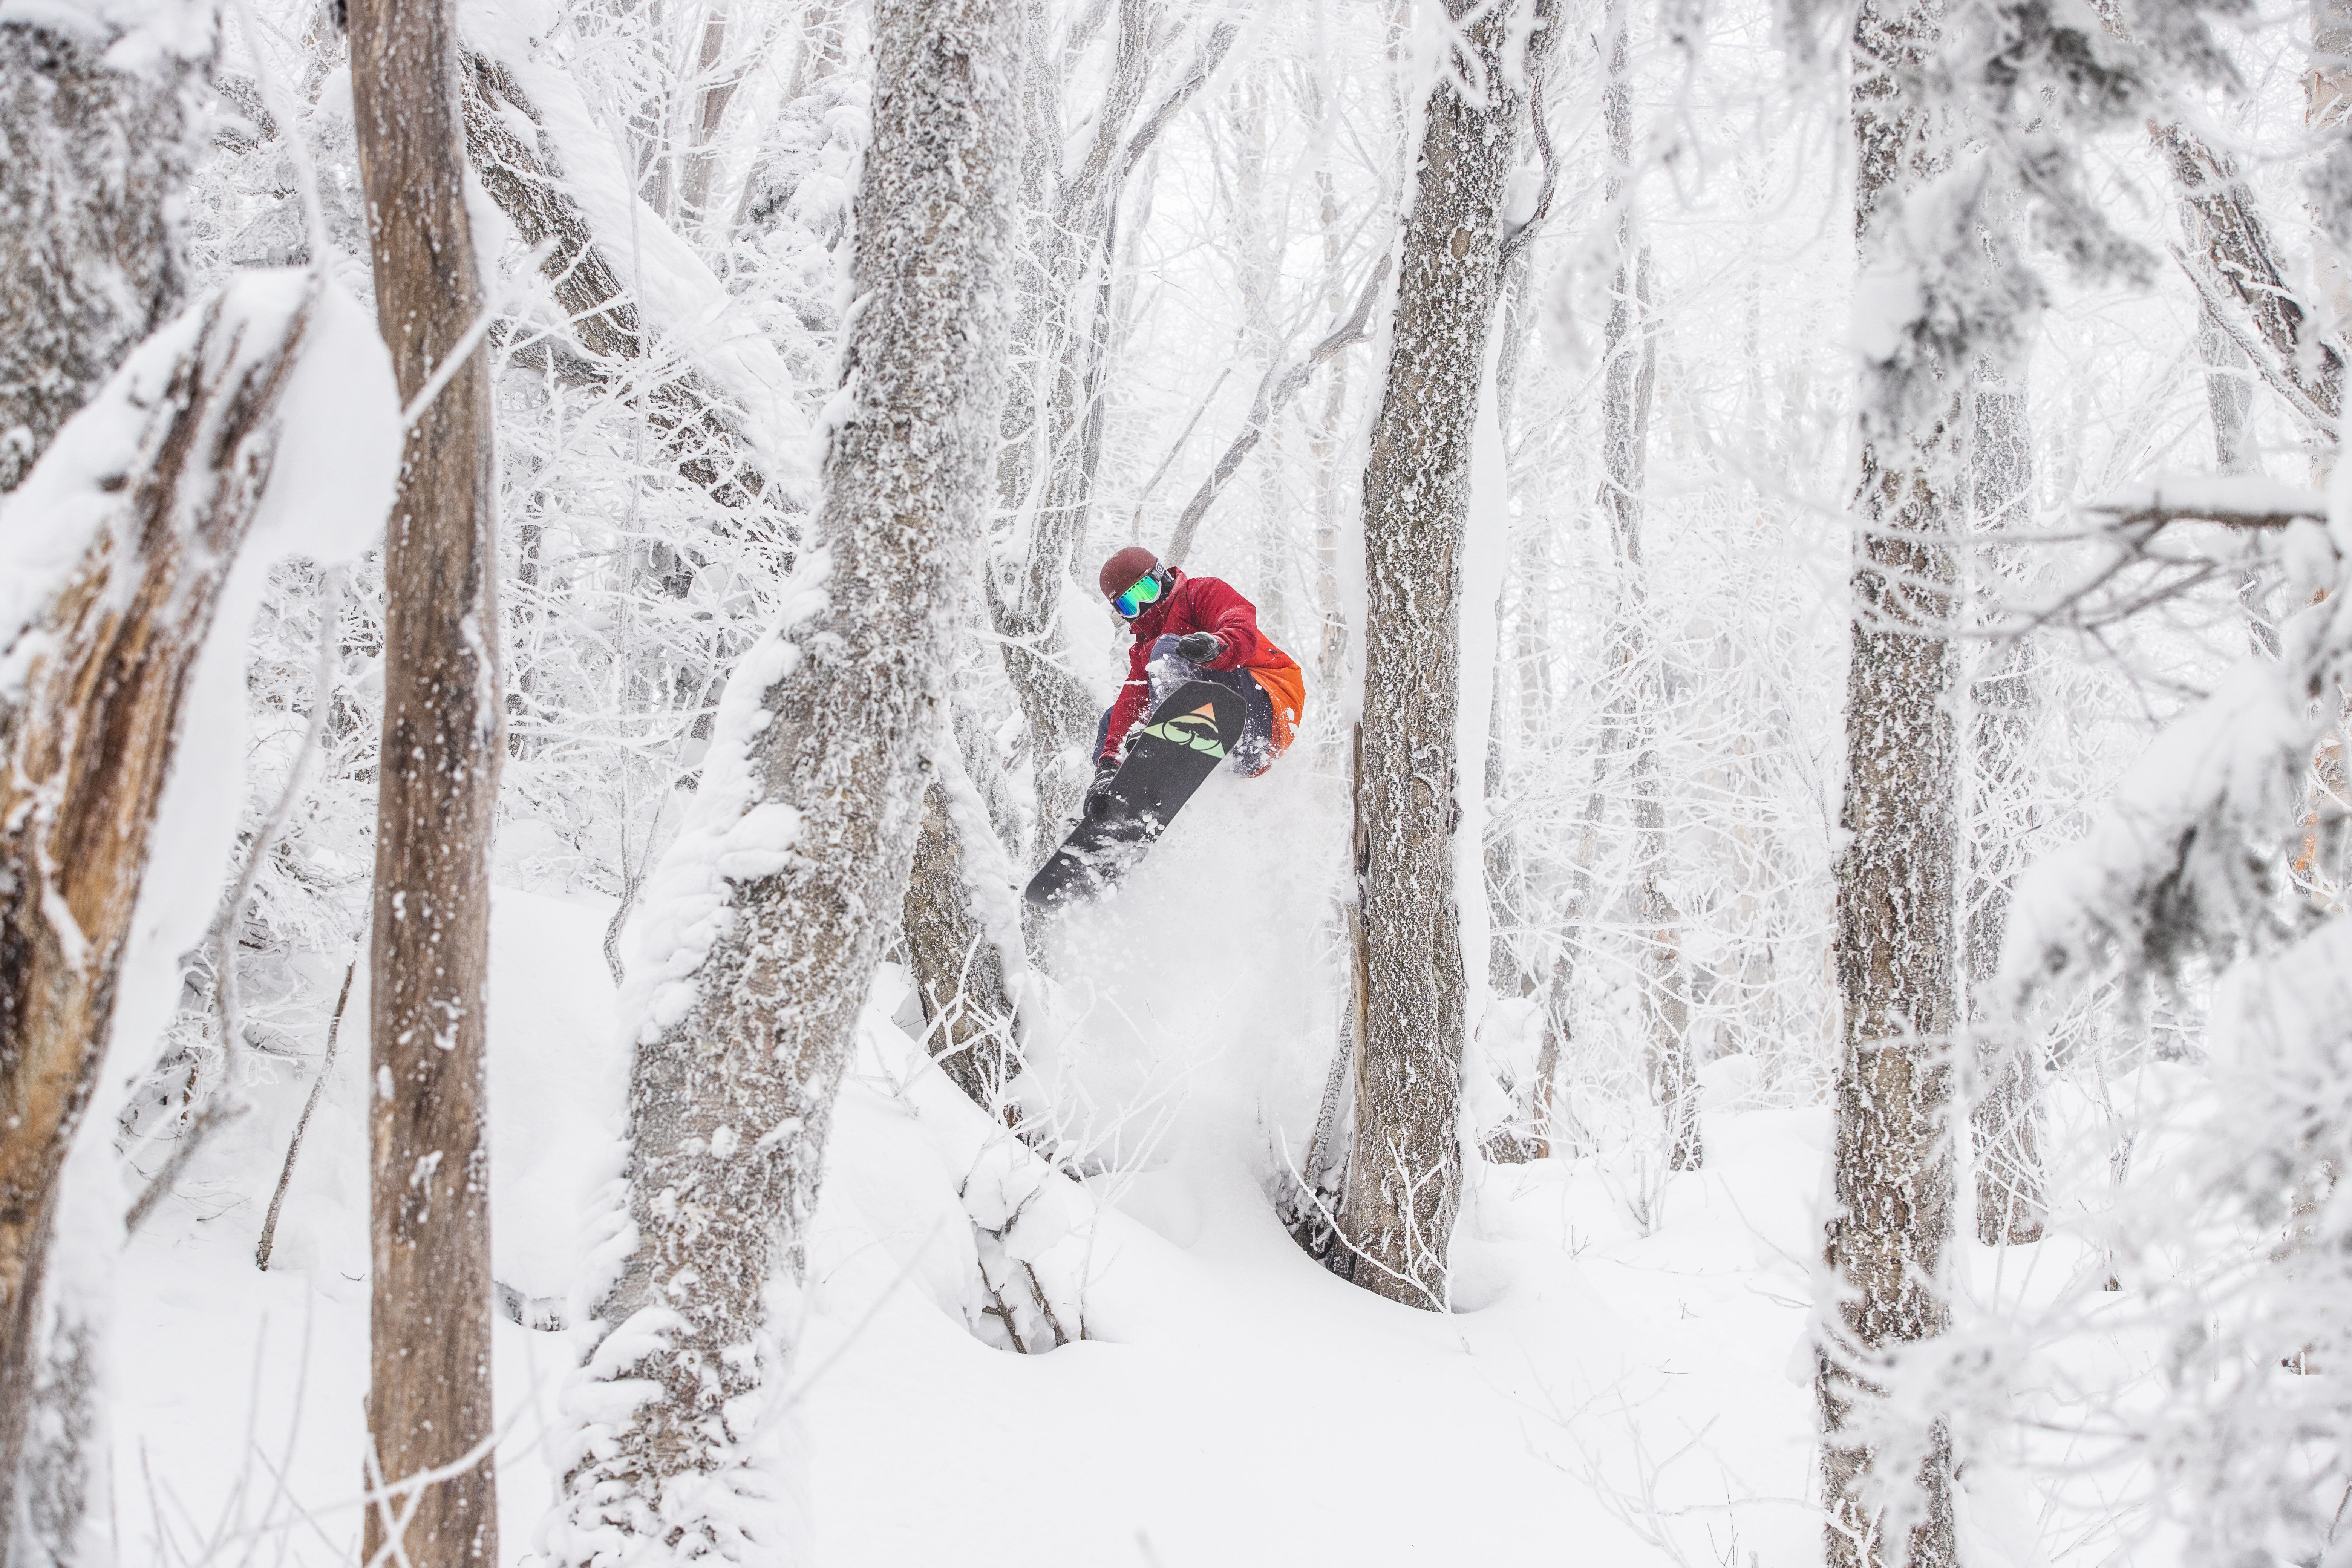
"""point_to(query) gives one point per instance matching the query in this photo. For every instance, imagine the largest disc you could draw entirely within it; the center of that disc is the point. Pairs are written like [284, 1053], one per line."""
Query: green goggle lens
[1145, 591]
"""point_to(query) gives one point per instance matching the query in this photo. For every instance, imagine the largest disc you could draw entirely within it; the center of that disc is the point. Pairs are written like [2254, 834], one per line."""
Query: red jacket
[1201, 605]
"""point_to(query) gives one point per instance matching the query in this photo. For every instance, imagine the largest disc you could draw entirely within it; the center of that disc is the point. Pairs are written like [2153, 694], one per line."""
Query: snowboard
[1185, 741]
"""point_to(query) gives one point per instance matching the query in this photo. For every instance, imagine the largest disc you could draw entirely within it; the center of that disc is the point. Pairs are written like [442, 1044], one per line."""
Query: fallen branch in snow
[1274, 394]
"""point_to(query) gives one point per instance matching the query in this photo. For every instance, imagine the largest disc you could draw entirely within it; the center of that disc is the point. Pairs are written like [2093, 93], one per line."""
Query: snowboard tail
[1185, 739]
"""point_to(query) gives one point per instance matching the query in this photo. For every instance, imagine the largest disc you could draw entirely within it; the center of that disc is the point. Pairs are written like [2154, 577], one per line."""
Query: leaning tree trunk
[176, 467]
[1405, 1170]
[803, 833]
[1887, 1477]
[95, 146]
[429, 1404]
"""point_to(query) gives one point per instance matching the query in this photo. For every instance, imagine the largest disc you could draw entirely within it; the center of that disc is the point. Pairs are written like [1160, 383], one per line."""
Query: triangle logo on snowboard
[1185, 740]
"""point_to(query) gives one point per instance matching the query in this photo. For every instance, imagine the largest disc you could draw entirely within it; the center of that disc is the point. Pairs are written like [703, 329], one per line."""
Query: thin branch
[1204, 65]
[2284, 386]
[218, 1111]
[2160, 515]
[1521, 236]
[318, 1088]
[1274, 393]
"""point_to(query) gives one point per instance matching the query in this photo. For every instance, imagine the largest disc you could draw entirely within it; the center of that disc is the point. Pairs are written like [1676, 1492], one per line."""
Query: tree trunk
[95, 148]
[959, 969]
[2006, 1119]
[803, 832]
[1405, 1174]
[695, 423]
[1893, 1171]
[85, 748]
[429, 1403]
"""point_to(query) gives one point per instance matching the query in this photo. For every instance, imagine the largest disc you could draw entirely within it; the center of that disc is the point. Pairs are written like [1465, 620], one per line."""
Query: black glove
[1098, 792]
[1201, 647]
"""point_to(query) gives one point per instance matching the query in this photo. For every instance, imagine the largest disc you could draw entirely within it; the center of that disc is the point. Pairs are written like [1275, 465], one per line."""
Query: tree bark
[1893, 1165]
[2234, 246]
[803, 832]
[429, 1404]
[84, 754]
[1405, 1172]
[93, 157]
[958, 969]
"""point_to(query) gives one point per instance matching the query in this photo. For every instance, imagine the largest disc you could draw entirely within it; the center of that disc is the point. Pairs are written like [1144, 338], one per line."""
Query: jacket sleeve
[1217, 608]
[1132, 697]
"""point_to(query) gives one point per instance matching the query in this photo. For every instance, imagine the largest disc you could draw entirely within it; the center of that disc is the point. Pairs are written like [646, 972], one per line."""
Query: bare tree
[1405, 1170]
[804, 831]
[429, 1404]
[691, 419]
[1893, 1166]
[1639, 701]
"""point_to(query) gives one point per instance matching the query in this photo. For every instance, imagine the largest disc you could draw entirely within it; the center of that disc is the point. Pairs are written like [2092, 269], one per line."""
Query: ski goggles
[1145, 591]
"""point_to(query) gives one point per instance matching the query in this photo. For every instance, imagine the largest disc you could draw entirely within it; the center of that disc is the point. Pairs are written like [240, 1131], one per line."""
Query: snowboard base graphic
[1185, 740]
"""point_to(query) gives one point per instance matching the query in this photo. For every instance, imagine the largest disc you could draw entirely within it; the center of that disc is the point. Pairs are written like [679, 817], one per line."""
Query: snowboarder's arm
[1229, 618]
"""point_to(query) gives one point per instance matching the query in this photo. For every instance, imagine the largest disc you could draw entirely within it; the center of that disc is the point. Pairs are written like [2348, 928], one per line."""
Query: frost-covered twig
[1274, 394]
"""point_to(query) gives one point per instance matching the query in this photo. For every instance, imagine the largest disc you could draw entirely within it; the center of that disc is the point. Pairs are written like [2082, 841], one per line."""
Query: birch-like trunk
[803, 833]
[1886, 1483]
[1405, 1174]
[429, 1402]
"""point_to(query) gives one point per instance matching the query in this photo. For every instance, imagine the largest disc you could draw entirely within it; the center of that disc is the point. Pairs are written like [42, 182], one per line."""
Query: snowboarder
[1192, 628]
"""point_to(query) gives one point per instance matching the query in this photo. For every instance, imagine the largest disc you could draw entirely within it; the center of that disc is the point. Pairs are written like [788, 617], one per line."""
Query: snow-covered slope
[1603, 1396]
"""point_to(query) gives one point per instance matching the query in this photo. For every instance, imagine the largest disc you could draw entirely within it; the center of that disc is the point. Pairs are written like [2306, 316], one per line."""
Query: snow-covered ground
[1599, 1394]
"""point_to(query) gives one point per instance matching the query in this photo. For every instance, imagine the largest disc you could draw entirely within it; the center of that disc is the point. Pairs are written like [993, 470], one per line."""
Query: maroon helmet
[1122, 570]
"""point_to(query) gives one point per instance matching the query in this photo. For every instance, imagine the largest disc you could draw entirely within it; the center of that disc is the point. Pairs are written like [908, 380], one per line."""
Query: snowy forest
[1757, 970]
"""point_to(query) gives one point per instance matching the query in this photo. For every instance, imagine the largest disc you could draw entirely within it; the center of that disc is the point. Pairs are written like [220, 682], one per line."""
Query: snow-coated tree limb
[761, 930]
[700, 429]
[2241, 254]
